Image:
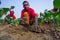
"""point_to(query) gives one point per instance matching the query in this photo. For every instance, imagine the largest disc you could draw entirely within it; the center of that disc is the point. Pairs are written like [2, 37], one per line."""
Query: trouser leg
[36, 23]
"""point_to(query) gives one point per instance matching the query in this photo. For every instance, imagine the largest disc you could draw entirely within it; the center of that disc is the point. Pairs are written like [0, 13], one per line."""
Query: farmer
[31, 16]
[10, 15]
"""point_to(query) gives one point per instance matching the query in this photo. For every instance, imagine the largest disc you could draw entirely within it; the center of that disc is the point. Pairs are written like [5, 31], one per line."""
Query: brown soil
[48, 32]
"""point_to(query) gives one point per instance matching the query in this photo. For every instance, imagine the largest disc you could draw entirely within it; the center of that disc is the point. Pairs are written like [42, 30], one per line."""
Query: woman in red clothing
[31, 14]
[10, 17]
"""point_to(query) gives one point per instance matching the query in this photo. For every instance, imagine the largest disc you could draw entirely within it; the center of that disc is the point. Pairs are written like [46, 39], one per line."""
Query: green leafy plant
[17, 22]
[50, 17]
[3, 11]
[13, 21]
[12, 7]
[10, 20]
[56, 3]
[47, 16]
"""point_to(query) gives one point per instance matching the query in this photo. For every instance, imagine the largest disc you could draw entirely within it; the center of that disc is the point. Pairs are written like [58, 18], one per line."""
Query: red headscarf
[11, 13]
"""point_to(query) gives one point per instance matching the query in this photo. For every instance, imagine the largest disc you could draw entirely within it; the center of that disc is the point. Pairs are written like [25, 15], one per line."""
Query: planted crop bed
[18, 33]
[49, 24]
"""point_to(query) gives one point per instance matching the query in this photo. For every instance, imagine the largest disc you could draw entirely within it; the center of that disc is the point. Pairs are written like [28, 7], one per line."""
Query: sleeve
[33, 13]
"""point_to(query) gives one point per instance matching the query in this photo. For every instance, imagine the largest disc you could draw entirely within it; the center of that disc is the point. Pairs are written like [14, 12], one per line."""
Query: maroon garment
[12, 15]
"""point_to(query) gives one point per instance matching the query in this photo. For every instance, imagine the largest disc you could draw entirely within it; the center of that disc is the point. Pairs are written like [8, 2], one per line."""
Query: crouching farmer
[10, 17]
[28, 15]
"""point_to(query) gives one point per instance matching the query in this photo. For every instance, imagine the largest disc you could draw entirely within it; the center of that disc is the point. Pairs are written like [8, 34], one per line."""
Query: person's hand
[24, 18]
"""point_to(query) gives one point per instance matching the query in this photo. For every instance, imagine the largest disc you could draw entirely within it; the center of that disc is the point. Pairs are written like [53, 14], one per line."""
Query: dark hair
[25, 2]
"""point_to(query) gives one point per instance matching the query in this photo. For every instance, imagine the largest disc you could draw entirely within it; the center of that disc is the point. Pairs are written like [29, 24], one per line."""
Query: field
[49, 25]
[11, 32]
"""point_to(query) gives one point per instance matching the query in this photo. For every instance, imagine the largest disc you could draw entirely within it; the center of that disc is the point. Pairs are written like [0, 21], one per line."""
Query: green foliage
[56, 3]
[50, 17]
[47, 16]
[3, 11]
[56, 17]
[13, 21]
[10, 20]
[17, 21]
[40, 20]
[12, 7]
